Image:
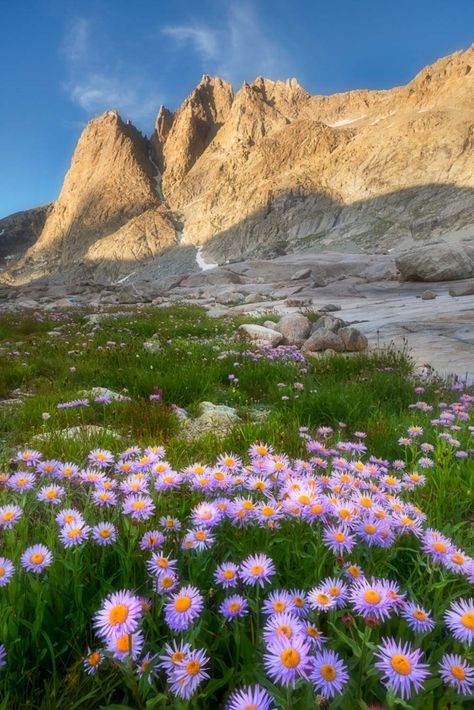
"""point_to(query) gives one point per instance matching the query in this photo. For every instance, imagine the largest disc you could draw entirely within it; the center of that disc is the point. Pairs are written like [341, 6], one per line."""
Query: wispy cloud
[96, 82]
[203, 40]
[238, 50]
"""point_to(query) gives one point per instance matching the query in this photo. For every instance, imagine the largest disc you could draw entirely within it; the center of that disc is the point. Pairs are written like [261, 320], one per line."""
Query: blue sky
[65, 61]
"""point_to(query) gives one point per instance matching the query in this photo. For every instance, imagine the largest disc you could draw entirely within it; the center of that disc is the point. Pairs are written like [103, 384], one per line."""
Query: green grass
[45, 621]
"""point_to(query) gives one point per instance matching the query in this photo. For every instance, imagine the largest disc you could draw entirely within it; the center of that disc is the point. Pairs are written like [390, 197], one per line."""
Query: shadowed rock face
[20, 230]
[271, 170]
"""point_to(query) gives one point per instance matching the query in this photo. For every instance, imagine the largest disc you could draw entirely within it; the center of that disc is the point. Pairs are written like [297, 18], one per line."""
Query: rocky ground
[433, 320]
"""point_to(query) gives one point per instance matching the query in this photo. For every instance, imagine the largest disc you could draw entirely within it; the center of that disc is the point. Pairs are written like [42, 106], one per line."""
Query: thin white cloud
[238, 50]
[97, 84]
[203, 40]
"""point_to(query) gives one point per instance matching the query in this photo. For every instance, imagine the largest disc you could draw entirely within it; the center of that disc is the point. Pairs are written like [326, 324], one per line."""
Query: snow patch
[2, 232]
[202, 263]
[124, 278]
[179, 234]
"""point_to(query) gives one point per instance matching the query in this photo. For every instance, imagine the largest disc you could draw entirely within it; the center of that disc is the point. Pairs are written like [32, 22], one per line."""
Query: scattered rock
[102, 392]
[299, 302]
[323, 339]
[217, 419]
[260, 335]
[253, 298]
[428, 295]
[329, 308]
[230, 299]
[329, 322]
[462, 289]
[152, 345]
[435, 262]
[301, 274]
[294, 327]
[353, 339]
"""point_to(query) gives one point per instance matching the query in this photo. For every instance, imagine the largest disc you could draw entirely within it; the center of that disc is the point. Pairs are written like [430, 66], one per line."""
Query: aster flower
[159, 563]
[151, 540]
[287, 659]
[183, 608]
[338, 539]
[9, 515]
[277, 602]
[165, 582]
[92, 661]
[107, 499]
[205, 515]
[73, 534]
[104, 533]
[29, 456]
[320, 599]
[147, 667]
[51, 494]
[336, 589]
[418, 619]
[170, 523]
[7, 570]
[252, 696]
[174, 655]
[329, 673]
[457, 673]
[22, 481]
[371, 598]
[257, 569]
[36, 558]
[199, 539]
[127, 644]
[69, 515]
[233, 607]
[285, 625]
[101, 458]
[353, 572]
[67, 470]
[226, 575]
[401, 668]
[140, 507]
[300, 603]
[188, 674]
[459, 619]
[119, 614]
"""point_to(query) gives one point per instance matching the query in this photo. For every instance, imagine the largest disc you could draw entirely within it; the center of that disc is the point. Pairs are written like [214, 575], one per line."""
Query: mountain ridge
[226, 167]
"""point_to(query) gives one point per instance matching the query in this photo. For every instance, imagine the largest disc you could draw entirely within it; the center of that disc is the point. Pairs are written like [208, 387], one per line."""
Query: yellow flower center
[138, 505]
[323, 599]
[339, 536]
[124, 643]
[279, 606]
[247, 505]
[439, 547]
[22, 482]
[290, 658]
[234, 606]
[267, 510]
[200, 535]
[118, 614]
[328, 671]
[52, 494]
[467, 620]
[371, 596]
[182, 604]
[304, 500]
[193, 667]
[457, 559]
[284, 630]
[262, 450]
[334, 591]
[401, 665]
[166, 582]
[75, 532]
[370, 529]
[316, 509]
[353, 571]
[93, 659]
[256, 570]
[420, 615]
[313, 632]
[37, 558]
[177, 657]
[105, 533]
[252, 706]
[298, 601]
[8, 515]
[458, 672]
[2, 571]
[228, 574]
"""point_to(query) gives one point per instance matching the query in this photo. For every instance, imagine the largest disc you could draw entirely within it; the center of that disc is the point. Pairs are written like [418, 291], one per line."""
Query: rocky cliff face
[268, 170]
[20, 230]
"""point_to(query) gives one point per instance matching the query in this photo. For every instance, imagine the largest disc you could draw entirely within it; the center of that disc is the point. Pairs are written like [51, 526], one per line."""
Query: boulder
[216, 419]
[329, 308]
[353, 339]
[435, 262]
[294, 327]
[260, 335]
[328, 322]
[301, 274]
[231, 298]
[323, 339]
[428, 295]
[466, 289]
